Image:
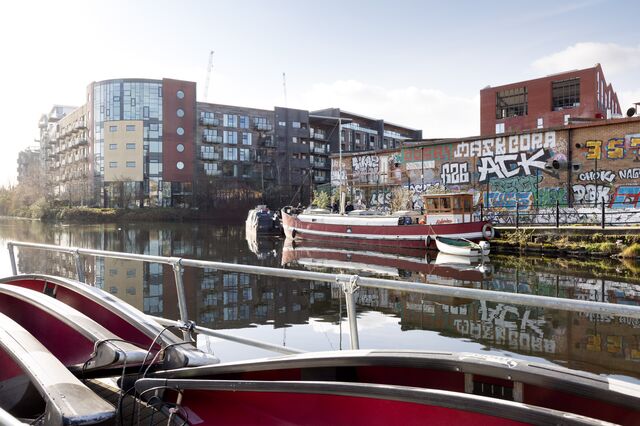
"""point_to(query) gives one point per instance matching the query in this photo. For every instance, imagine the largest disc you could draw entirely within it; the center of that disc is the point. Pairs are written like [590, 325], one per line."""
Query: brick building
[551, 101]
[584, 165]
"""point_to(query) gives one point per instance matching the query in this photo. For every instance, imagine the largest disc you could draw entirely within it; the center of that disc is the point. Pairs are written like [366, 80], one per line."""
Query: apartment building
[144, 142]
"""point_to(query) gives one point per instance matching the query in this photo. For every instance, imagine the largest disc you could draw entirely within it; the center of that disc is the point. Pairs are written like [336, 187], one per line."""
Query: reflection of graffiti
[506, 145]
[601, 175]
[509, 200]
[583, 194]
[516, 184]
[629, 173]
[625, 197]
[380, 198]
[505, 166]
[454, 173]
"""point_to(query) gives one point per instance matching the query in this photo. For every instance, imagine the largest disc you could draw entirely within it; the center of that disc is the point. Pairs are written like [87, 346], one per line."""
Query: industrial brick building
[551, 101]
[585, 166]
[142, 142]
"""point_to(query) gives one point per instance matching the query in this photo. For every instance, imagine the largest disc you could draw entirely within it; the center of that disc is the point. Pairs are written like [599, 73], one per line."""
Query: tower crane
[206, 83]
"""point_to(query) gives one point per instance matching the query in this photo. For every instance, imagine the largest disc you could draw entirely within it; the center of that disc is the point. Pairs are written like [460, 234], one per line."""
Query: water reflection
[314, 312]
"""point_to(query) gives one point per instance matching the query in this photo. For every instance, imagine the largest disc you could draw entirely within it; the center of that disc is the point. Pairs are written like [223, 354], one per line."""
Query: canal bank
[575, 241]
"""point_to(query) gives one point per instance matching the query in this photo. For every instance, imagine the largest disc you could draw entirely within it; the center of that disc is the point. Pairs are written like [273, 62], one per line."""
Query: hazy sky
[417, 63]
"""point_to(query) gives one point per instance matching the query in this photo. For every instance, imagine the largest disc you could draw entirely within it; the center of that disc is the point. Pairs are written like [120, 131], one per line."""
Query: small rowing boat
[462, 247]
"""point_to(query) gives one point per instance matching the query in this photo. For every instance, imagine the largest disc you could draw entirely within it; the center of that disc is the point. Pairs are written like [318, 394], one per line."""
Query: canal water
[312, 316]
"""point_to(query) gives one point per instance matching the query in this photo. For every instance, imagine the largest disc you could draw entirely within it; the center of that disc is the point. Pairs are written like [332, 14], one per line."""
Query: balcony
[318, 150]
[210, 156]
[206, 121]
[211, 139]
[319, 179]
[213, 172]
[320, 164]
[263, 127]
[318, 135]
[267, 142]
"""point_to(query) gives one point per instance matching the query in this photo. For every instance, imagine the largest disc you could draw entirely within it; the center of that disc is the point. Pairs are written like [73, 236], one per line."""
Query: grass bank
[578, 245]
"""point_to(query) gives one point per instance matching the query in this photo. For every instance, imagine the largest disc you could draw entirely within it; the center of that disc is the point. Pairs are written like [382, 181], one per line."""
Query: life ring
[487, 231]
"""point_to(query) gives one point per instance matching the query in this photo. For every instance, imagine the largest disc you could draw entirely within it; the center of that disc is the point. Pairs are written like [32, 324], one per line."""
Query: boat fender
[401, 220]
[407, 220]
[293, 233]
[427, 241]
[487, 231]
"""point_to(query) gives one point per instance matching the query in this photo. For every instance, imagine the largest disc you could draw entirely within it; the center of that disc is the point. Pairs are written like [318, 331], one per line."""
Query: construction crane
[206, 83]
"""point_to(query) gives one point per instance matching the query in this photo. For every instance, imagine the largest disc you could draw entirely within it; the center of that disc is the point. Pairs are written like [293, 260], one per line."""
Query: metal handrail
[349, 284]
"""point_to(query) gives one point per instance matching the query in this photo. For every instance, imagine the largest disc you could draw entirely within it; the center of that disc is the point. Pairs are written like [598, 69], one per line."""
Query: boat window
[456, 203]
[431, 204]
[444, 204]
[467, 203]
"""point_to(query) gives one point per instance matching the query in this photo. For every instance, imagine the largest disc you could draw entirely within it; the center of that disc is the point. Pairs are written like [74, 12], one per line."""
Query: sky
[417, 63]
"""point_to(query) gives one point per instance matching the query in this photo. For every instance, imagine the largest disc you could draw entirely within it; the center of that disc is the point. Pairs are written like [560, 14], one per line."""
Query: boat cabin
[448, 208]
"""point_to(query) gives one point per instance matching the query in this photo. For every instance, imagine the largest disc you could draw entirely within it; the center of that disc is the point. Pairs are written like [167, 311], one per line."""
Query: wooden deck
[132, 410]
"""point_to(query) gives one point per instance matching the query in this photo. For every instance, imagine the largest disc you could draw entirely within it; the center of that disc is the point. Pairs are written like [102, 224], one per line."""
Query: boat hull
[378, 230]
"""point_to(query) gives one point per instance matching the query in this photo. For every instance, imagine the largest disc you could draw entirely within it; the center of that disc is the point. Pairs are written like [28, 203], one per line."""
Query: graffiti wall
[578, 168]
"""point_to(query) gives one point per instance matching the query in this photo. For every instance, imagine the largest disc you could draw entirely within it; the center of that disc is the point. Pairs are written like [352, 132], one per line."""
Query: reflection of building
[547, 102]
[125, 278]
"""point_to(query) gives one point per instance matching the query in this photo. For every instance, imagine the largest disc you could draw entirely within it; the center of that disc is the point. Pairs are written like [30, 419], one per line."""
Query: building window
[499, 128]
[295, 124]
[180, 131]
[244, 122]
[113, 128]
[180, 112]
[131, 146]
[245, 155]
[566, 93]
[131, 128]
[230, 120]
[113, 164]
[512, 102]
[246, 139]
[180, 94]
[131, 164]
[230, 137]
[540, 123]
[282, 123]
[180, 147]
[230, 153]
[180, 165]
[113, 146]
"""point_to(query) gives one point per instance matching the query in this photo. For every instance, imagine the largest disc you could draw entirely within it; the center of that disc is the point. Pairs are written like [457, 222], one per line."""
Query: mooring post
[603, 215]
[517, 214]
[557, 214]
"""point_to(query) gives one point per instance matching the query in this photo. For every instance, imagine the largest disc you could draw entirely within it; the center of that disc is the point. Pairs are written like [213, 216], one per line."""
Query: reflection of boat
[448, 215]
[118, 317]
[476, 387]
[261, 220]
[263, 246]
[462, 247]
[36, 387]
[389, 261]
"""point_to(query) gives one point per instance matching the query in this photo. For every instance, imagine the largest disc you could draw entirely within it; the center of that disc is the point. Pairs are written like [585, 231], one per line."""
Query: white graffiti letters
[505, 166]
[601, 175]
[454, 173]
[505, 145]
[590, 194]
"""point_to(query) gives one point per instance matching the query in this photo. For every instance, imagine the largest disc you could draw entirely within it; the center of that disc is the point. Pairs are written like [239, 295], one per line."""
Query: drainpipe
[570, 168]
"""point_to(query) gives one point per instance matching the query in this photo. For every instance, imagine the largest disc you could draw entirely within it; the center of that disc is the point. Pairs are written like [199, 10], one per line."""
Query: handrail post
[557, 214]
[517, 214]
[182, 301]
[349, 287]
[12, 258]
[79, 267]
[603, 217]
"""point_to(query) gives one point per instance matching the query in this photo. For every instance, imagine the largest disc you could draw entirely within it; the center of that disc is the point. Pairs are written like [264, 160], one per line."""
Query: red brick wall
[170, 138]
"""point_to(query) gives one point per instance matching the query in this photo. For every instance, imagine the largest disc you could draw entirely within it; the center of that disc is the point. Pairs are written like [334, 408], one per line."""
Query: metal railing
[600, 214]
[349, 284]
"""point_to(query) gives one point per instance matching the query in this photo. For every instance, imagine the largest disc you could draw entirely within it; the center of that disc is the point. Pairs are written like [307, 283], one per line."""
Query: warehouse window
[511, 102]
[566, 93]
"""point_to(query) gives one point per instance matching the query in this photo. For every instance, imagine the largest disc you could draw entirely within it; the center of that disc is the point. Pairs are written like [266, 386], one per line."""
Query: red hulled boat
[449, 215]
